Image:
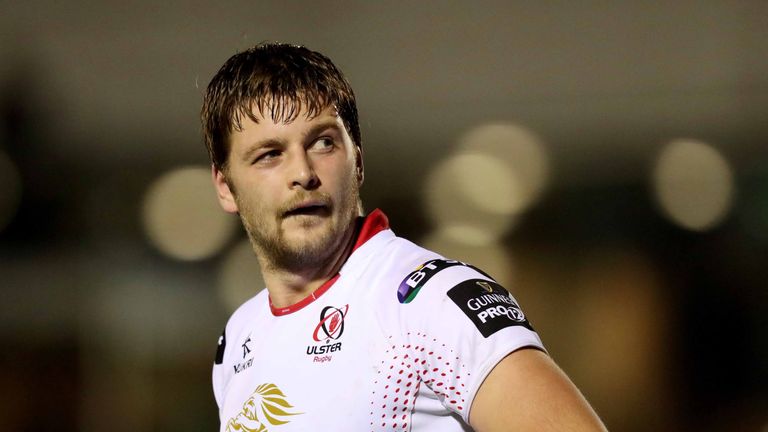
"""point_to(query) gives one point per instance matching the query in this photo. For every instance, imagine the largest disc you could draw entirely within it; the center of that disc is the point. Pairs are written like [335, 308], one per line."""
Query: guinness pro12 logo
[330, 328]
[489, 306]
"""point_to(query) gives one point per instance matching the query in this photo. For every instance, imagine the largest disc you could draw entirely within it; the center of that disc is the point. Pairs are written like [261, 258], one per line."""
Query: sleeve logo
[220, 348]
[489, 306]
[412, 283]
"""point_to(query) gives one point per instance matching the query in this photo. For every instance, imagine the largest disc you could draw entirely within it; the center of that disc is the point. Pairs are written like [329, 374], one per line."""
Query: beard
[302, 252]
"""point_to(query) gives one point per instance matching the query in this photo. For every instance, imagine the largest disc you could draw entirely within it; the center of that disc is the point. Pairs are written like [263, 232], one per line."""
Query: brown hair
[273, 79]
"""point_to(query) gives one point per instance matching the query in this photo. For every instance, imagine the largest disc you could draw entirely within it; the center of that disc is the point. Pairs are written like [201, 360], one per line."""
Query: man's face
[295, 186]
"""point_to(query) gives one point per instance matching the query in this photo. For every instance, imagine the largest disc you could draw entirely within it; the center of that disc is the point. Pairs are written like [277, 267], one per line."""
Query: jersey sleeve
[459, 324]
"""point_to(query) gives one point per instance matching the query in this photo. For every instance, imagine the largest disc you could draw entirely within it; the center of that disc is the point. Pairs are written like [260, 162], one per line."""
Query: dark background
[660, 323]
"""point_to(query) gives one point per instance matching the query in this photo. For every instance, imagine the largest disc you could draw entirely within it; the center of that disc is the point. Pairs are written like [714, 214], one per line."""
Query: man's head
[281, 126]
[275, 80]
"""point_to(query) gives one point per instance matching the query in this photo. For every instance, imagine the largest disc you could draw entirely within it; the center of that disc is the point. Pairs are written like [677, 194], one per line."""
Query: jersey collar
[366, 228]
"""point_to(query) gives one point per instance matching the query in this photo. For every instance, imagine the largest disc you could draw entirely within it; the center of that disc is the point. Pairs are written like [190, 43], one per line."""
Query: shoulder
[406, 271]
[458, 294]
[239, 319]
[439, 274]
[383, 261]
[453, 317]
[244, 314]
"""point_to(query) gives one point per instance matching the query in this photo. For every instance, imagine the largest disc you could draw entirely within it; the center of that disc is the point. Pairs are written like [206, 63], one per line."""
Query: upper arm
[459, 327]
[527, 391]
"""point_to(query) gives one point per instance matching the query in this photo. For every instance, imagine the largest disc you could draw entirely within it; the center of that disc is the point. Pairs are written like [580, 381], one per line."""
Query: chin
[306, 253]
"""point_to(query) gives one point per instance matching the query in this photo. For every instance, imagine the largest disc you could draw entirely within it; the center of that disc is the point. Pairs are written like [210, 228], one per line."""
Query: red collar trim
[305, 301]
[368, 227]
[374, 223]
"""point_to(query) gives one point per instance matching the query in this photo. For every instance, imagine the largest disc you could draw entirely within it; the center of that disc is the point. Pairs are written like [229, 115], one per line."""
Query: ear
[223, 192]
[360, 171]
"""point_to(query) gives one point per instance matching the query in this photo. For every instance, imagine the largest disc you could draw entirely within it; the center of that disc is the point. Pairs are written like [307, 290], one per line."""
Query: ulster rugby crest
[266, 407]
[327, 332]
[331, 325]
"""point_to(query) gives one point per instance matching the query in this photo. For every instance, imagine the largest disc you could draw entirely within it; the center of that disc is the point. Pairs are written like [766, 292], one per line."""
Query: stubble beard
[277, 252]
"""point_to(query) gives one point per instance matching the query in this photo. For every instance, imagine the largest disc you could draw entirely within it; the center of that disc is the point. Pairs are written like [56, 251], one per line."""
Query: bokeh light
[182, 218]
[453, 212]
[525, 160]
[476, 194]
[10, 190]
[239, 276]
[693, 184]
[487, 183]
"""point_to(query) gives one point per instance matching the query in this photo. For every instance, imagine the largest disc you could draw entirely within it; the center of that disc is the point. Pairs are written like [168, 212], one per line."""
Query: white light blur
[693, 184]
[451, 209]
[10, 190]
[239, 276]
[491, 258]
[497, 173]
[487, 183]
[518, 185]
[182, 218]
[467, 235]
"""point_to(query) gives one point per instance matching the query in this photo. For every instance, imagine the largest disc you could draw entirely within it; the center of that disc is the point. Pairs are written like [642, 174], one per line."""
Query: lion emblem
[266, 407]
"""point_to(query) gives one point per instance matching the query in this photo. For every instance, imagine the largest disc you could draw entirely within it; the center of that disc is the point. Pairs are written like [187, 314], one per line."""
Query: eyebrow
[315, 130]
[276, 142]
[258, 145]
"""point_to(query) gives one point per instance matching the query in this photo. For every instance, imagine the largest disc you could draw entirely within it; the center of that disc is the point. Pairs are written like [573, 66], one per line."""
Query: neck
[289, 286]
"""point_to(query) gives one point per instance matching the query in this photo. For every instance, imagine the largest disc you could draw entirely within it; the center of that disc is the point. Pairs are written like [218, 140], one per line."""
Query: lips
[308, 208]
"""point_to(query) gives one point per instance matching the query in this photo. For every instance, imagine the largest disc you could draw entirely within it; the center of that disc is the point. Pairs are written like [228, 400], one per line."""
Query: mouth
[309, 209]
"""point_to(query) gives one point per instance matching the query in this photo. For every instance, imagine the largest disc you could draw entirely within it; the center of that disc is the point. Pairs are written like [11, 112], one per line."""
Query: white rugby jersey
[400, 339]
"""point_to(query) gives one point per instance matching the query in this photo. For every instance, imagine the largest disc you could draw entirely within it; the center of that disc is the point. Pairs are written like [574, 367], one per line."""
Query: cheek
[256, 194]
[345, 173]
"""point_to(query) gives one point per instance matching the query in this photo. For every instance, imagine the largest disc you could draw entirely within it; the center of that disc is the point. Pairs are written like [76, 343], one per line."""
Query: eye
[322, 144]
[267, 157]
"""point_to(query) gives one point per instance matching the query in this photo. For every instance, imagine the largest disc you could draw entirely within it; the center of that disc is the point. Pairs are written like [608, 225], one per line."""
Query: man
[358, 329]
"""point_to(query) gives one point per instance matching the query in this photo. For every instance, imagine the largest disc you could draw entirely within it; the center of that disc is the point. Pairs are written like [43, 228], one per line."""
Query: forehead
[264, 121]
[280, 109]
[285, 112]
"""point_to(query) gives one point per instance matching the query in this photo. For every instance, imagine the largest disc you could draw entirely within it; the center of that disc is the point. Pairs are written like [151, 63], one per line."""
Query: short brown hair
[277, 78]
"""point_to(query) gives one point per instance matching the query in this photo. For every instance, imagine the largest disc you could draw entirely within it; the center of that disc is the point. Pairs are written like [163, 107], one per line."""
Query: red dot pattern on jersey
[399, 379]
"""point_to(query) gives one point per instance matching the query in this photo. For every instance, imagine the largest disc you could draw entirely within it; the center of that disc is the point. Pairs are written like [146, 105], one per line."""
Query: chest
[319, 368]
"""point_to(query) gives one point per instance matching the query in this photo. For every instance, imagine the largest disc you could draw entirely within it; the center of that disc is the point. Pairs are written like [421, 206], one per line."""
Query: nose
[302, 174]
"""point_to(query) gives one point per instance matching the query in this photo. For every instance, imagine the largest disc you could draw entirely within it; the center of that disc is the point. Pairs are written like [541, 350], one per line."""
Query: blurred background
[607, 161]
